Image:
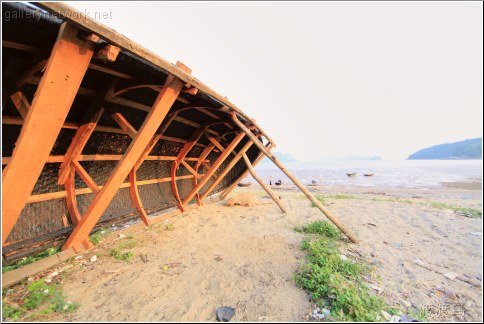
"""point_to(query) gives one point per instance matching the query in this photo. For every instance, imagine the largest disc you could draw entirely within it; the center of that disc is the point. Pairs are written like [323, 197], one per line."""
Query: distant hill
[464, 150]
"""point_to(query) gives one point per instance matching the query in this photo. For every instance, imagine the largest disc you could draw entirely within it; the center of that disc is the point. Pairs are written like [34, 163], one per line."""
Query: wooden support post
[201, 160]
[229, 167]
[298, 184]
[21, 103]
[262, 183]
[133, 189]
[229, 189]
[65, 70]
[214, 168]
[84, 132]
[162, 105]
[123, 122]
[183, 153]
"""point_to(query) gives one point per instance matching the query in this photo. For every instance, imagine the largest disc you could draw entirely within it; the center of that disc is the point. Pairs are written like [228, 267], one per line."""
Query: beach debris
[143, 257]
[376, 288]
[78, 257]
[93, 258]
[51, 276]
[418, 261]
[225, 313]
[451, 275]
[320, 313]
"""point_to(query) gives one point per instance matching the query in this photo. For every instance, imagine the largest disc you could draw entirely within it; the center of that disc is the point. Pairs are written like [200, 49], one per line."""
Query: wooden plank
[162, 105]
[122, 122]
[263, 184]
[189, 168]
[229, 167]
[21, 103]
[86, 177]
[84, 132]
[214, 168]
[133, 189]
[298, 184]
[71, 201]
[64, 72]
[229, 189]
[216, 143]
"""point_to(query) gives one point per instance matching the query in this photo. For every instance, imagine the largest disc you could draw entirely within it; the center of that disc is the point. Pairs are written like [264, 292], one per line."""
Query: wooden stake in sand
[326, 212]
[263, 185]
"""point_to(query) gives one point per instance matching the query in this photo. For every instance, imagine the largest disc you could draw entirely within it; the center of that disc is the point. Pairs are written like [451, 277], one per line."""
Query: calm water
[393, 174]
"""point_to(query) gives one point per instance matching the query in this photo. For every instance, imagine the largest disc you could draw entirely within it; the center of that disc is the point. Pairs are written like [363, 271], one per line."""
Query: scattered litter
[225, 313]
[450, 275]
[320, 313]
[53, 274]
[93, 258]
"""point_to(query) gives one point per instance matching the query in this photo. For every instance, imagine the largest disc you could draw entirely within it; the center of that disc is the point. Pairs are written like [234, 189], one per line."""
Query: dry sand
[245, 257]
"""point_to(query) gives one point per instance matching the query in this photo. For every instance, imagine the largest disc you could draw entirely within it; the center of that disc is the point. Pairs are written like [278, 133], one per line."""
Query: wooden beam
[216, 143]
[84, 132]
[263, 184]
[133, 189]
[189, 168]
[21, 103]
[214, 168]
[298, 184]
[65, 70]
[86, 177]
[122, 122]
[162, 105]
[229, 189]
[181, 155]
[229, 167]
[107, 53]
[71, 201]
[103, 157]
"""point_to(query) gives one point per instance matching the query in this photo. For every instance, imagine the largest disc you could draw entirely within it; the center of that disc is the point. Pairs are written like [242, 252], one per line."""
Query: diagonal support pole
[229, 149]
[298, 184]
[262, 183]
[160, 109]
[58, 87]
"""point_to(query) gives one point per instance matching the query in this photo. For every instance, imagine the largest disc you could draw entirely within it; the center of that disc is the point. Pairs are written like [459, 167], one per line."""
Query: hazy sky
[327, 79]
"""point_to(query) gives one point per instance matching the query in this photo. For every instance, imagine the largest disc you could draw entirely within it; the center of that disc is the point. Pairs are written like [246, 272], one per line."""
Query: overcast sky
[327, 79]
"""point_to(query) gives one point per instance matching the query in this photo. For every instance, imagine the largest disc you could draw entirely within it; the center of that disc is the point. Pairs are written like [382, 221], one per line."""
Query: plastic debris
[225, 313]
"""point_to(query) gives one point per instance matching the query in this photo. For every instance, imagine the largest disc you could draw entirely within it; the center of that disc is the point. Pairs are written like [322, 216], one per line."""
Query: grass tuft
[319, 227]
[30, 259]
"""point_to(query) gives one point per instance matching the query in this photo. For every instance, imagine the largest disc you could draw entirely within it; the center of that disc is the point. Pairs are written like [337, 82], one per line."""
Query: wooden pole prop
[262, 183]
[316, 202]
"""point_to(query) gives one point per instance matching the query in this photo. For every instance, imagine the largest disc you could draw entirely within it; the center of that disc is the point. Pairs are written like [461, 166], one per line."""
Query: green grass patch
[128, 242]
[468, 212]
[170, 227]
[99, 235]
[333, 282]
[30, 259]
[321, 200]
[319, 227]
[40, 299]
[118, 255]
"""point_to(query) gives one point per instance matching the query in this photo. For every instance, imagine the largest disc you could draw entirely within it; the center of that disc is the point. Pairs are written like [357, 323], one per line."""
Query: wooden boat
[353, 174]
[368, 174]
[244, 184]
[278, 182]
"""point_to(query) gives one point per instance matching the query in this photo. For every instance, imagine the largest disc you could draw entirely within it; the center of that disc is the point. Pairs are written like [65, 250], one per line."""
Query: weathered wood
[229, 189]
[216, 143]
[263, 184]
[181, 155]
[214, 168]
[21, 103]
[108, 53]
[122, 122]
[201, 159]
[65, 70]
[298, 184]
[71, 201]
[162, 105]
[84, 132]
[133, 189]
[229, 167]
[86, 177]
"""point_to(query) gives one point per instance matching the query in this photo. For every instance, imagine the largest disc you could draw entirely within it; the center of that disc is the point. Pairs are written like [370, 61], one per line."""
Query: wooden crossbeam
[65, 70]
[216, 143]
[104, 157]
[71, 201]
[21, 103]
[229, 167]
[84, 132]
[214, 168]
[160, 109]
[86, 177]
[122, 122]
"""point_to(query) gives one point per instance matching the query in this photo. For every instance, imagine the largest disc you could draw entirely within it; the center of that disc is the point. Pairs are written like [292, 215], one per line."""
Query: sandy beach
[245, 257]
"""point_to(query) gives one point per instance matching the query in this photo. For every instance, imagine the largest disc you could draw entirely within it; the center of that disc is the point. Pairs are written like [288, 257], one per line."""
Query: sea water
[387, 174]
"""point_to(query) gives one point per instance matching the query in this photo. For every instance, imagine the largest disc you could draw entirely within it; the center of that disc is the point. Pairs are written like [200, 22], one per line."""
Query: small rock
[451, 294]
[225, 313]
[52, 275]
[407, 319]
[343, 257]
[450, 275]
[418, 261]
[468, 305]
[376, 288]
[386, 315]
[143, 257]
[78, 257]
[93, 258]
